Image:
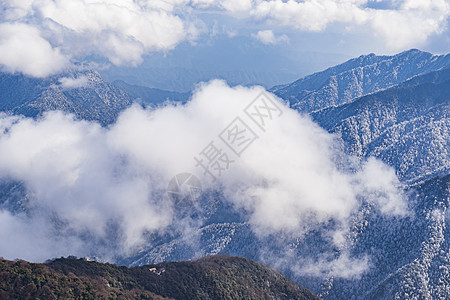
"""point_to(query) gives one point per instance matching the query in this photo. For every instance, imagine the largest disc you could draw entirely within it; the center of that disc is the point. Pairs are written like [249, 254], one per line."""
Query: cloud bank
[101, 191]
[44, 37]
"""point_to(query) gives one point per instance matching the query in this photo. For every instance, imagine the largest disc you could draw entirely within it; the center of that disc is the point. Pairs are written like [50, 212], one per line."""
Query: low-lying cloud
[73, 83]
[100, 191]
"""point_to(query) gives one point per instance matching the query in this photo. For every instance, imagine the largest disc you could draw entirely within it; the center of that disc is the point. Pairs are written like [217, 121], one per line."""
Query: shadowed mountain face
[216, 277]
[357, 77]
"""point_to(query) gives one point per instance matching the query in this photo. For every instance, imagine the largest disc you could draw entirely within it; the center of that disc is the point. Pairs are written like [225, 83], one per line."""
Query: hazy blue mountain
[240, 60]
[91, 99]
[148, 95]
[357, 77]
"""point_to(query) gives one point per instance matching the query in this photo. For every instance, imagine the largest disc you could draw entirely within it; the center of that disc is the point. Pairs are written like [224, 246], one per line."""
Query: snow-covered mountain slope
[409, 257]
[85, 94]
[406, 126]
[358, 77]
[150, 95]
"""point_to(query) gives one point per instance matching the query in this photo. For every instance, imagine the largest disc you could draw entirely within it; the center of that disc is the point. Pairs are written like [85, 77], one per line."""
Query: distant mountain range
[148, 95]
[395, 108]
[214, 277]
[240, 60]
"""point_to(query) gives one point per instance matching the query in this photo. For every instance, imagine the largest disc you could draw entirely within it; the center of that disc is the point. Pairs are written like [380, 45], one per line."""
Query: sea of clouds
[100, 191]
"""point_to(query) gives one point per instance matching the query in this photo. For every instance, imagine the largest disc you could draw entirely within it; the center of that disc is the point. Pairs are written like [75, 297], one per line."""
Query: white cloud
[129, 28]
[122, 31]
[341, 267]
[39, 37]
[311, 15]
[108, 183]
[70, 174]
[410, 26]
[73, 83]
[267, 37]
[402, 24]
[23, 49]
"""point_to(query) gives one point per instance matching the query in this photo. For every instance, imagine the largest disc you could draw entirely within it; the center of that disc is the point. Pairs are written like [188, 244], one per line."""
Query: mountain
[395, 108]
[405, 122]
[406, 126]
[409, 256]
[357, 77]
[85, 94]
[148, 95]
[215, 277]
[240, 60]
[89, 97]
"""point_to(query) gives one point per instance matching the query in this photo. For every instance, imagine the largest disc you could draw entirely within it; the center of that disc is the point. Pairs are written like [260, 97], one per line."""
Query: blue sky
[168, 44]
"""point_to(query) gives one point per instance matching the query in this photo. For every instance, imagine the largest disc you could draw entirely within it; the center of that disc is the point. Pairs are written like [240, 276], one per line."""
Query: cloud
[73, 83]
[309, 15]
[36, 33]
[23, 49]
[412, 24]
[77, 186]
[401, 24]
[326, 266]
[104, 188]
[408, 24]
[267, 37]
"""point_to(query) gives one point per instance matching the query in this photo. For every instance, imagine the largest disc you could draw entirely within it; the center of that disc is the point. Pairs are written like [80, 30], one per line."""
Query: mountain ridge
[356, 78]
[85, 94]
[215, 277]
[379, 123]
